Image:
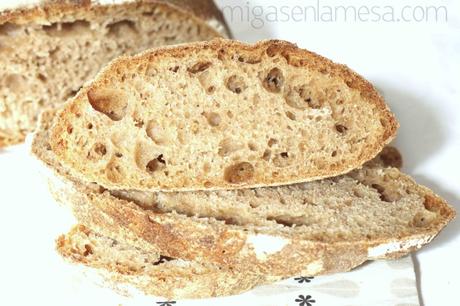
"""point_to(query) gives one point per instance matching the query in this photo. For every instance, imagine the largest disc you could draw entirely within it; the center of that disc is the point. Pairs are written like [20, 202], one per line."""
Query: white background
[416, 66]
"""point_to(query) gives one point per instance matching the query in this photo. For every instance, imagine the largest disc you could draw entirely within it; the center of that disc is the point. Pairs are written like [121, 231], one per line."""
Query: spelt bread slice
[221, 115]
[48, 51]
[310, 228]
[121, 264]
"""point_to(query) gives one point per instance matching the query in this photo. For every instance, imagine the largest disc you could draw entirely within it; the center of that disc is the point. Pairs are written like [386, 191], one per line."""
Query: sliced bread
[49, 50]
[310, 228]
[123, 266]
[221, 115]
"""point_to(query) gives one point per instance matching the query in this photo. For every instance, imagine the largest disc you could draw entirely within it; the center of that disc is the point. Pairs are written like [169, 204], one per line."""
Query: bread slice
[48, 51]
[310, 228]
[124, 266]
[221, 115]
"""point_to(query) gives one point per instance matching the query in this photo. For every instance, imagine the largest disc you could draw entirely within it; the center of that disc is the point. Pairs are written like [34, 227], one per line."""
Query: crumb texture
[46, 61]
[222, 115]
[371, 203]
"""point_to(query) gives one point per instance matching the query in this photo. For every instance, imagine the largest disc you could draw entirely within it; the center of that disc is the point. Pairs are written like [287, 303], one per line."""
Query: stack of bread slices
[208, 168]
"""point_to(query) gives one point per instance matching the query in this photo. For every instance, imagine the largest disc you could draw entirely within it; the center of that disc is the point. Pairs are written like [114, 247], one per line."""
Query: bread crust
[294, 55]
[171, 281]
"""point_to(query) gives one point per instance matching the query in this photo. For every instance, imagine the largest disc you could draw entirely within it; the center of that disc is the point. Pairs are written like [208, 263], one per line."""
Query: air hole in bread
[334, 153]
[252, 146]
[267, 154]
[430, 203]
[206, 167]
[282, 221]
[423, 219]
[199, 67]
[228, 146]
[88, 250]
[99, 149]
[89, 126]
[229, 221]
[301, 97]
[114, 172]
[207, 184]
[174, 69]
[235, 84]
[163, 259]
[341, 128]
[274, 80]
[239, 173]
[122, 27]
[15, 83]
[156, 133]
[156, 164]
[291, 116]
[221, 54]
[213, 118]
[272, 142]
[9, 29]
[61, 29]
[282, 160]
[272, 50]
[247, 59]
[42, 77]
[358, 192]
[384, 196]
[110, 102]
[139, 123]
[69, 129]
[210, 89]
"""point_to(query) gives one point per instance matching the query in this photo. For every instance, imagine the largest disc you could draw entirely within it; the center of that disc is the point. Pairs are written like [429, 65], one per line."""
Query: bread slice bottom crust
[123, 267]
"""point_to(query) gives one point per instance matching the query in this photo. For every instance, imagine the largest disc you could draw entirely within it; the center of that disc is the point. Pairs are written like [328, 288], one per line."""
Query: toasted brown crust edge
[175, 282]
[294, 55]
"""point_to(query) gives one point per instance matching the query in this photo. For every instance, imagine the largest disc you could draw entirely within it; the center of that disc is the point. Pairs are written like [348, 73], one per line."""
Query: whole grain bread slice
[310, 228]
[123, 266]
[48, 50]
[221, 115]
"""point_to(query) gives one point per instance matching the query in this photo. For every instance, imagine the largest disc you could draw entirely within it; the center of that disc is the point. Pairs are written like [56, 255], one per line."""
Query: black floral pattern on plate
[167, 303]
[303, 279]
[305, 300]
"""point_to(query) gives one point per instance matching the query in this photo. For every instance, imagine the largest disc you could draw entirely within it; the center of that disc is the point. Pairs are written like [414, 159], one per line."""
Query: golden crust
[171, 281]
[294, 55]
